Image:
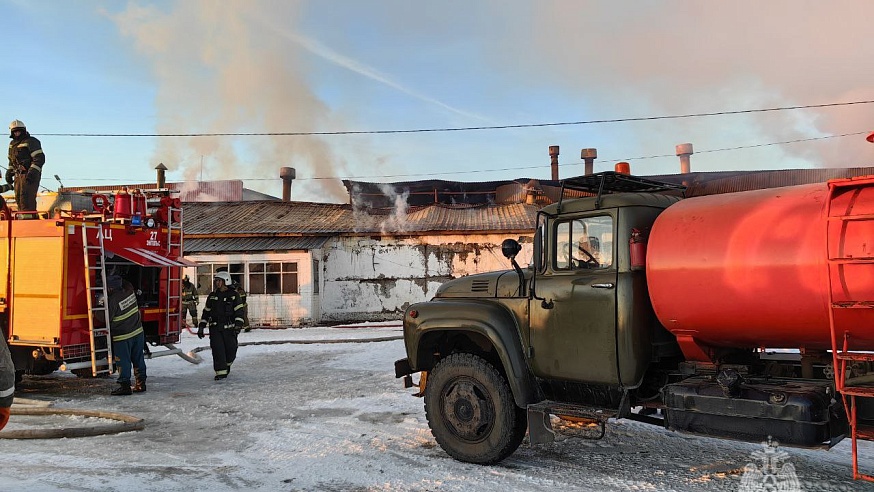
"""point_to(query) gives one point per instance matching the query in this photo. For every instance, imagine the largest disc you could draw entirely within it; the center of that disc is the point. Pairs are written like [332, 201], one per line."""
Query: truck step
[579, 420]
[561, 409]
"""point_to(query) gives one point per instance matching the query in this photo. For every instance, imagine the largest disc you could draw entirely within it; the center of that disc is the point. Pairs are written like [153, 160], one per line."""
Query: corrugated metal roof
[216, 245]
[242, 218]
[234, 221]
[266, 217]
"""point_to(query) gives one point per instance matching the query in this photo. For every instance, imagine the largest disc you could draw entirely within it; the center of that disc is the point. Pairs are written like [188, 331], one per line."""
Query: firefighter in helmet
[189, 300]
[222, 313]
[128, 338]
[26, 159]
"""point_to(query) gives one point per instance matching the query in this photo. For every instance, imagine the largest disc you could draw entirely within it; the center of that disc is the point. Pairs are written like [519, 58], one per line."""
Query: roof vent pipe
[287, 174]
[684, 151]
[589, 156]
[553, 158]
[162, 176]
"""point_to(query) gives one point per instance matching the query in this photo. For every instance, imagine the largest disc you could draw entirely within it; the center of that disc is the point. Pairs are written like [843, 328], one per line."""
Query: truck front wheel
[471, 411]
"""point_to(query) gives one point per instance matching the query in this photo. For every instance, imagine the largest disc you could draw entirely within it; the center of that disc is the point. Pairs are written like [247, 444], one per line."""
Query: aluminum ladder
[174, 282]
[101, 338]
[850, 223]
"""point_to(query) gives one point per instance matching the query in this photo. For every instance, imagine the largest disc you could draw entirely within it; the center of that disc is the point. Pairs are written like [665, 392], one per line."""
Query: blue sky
[254, 66]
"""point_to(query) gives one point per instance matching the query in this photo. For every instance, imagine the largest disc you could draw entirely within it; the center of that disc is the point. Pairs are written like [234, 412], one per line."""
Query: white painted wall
[366, 278]
[371, 279]
[277, 309]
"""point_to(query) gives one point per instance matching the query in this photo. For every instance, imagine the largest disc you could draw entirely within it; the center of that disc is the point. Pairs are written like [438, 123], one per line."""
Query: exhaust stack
[553, 158]
[287, 174]
[162, 176]
[684, 151]
[589, 156]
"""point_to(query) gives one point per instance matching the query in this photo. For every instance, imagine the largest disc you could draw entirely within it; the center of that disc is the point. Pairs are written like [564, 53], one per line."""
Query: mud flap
[539, 426]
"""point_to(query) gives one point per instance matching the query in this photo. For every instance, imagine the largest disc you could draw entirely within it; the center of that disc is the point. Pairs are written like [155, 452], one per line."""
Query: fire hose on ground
[127, 423]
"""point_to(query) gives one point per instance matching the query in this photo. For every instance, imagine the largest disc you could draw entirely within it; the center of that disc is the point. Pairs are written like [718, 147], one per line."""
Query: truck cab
[574, 327]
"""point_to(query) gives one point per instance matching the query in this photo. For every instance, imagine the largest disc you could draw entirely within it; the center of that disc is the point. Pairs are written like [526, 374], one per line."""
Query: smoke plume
[220, 70]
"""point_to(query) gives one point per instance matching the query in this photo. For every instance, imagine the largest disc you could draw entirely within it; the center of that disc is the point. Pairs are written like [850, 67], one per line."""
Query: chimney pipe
[162, 178]
[683, 152]
[589, 156]
[287, 174]
[553, 157]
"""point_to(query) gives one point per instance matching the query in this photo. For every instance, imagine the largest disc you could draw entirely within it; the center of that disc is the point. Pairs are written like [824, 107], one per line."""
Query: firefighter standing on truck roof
[128, 338]
[26, 159]
[222, 313]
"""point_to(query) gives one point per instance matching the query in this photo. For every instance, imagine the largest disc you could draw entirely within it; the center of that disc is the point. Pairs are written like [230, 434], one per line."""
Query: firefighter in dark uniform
[26, 159]
[7, 381]
[128, 338]
[244, 313]
[189, 301]
[222, 313]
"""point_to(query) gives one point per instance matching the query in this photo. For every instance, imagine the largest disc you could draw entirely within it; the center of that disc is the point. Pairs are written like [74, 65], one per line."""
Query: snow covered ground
[332, 417]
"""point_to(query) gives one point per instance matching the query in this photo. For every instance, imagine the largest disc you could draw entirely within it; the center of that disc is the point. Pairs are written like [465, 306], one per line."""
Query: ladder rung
[854, 356]
[853, 305]
[861, 260]
[858, 391]
[852, 217]
[865, 432]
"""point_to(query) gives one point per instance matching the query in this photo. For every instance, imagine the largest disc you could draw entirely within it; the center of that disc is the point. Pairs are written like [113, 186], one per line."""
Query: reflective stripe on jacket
[25, 153]
[223, 309]
[124, 315]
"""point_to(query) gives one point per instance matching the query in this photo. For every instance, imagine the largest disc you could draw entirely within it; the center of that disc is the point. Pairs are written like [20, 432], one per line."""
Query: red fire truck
[53, 269]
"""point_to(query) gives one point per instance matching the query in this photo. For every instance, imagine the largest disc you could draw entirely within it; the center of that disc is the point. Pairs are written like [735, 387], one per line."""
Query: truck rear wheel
[471, 411]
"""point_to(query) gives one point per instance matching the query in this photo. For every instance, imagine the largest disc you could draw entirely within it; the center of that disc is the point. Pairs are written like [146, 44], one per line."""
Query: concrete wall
[366, 278]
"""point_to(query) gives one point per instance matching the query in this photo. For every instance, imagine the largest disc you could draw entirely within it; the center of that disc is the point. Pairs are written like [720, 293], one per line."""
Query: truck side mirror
[510, 248]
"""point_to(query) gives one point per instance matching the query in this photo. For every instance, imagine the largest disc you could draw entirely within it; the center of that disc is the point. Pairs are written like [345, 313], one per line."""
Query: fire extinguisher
[637, 248]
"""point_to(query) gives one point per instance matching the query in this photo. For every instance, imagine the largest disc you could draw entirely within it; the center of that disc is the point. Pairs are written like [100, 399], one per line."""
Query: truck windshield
[584, 243]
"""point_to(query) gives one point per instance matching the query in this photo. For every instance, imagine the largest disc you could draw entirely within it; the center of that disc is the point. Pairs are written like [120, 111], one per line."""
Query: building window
[273, 278]
[206, 273]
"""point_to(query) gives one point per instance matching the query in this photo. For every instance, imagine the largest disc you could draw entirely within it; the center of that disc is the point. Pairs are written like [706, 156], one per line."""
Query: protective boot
[122, 390]
[140, 386]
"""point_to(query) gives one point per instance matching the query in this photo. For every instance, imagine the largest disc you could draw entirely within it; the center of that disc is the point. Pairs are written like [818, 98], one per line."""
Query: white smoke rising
[397, 221]
[219, 71]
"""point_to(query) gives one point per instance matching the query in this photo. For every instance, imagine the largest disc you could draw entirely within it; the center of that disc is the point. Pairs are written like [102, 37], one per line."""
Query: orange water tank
[750, 269]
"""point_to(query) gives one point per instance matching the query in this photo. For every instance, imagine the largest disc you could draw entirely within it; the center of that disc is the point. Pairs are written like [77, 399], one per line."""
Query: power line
[458, 129]
[539, 166]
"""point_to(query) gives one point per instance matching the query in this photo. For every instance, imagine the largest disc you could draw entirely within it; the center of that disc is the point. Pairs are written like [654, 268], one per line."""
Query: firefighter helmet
[225, 277]
[17, 125]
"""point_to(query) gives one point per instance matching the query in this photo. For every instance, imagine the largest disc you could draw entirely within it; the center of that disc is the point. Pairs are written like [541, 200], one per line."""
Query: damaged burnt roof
[207, 222]
[274, 218]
